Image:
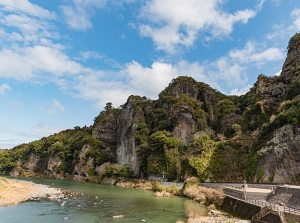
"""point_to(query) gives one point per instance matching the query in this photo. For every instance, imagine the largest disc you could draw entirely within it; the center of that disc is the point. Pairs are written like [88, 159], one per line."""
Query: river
[99, 203]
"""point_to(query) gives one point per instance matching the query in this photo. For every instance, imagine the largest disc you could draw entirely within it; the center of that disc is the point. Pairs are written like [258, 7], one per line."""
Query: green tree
[108, 106]
[164, 156]
[201, 163]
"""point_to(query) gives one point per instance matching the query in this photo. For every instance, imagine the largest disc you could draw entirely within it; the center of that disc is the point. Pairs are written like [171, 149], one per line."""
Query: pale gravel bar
[13, 191]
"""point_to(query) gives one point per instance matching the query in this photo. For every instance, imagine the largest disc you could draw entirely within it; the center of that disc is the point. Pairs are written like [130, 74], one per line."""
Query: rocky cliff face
[32, 162]
[85, 164]
[269, 90]
[177, 88]
[186, 127]
[280, 159]
[291, 67]
[127, 124]
[52, 167]
[104, 128]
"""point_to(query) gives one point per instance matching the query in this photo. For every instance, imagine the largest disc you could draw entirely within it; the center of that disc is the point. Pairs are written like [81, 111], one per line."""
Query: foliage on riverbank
[210, 197]
[191, 189]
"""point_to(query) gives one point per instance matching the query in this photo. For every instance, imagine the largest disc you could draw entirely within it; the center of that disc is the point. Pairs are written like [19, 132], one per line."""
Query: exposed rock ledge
[13, 192]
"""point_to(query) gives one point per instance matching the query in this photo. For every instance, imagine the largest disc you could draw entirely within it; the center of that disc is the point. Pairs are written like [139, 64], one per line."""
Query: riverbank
[212, 217]
[207, 219]
[192, 189]
[13, 192]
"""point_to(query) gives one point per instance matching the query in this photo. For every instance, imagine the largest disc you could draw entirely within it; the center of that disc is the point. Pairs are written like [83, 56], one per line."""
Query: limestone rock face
[14, 172]
[292, 62]
[186, 127]
[53, 163]
[185, 114]
[177, 88]
[105, 128]
[84, 165]
[32, 162]
[280, 158]
[127, 124]
[269, 87]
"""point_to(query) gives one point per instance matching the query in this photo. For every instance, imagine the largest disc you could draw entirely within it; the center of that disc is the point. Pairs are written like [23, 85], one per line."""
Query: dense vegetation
[191, 130]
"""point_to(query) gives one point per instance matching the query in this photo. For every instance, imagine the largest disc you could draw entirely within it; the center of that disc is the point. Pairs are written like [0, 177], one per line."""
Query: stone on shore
[118, 216]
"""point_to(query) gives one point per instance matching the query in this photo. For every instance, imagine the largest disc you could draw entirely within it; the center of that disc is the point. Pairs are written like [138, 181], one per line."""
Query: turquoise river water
[99, 203]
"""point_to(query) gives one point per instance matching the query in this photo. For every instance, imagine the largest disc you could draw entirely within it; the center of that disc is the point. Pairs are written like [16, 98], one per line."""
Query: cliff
[190, 130]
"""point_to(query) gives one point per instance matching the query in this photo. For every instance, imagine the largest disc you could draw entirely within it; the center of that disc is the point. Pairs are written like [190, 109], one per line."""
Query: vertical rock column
[127, 124]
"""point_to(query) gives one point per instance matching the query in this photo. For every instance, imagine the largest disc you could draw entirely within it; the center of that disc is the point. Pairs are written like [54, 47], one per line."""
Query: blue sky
[62, 61]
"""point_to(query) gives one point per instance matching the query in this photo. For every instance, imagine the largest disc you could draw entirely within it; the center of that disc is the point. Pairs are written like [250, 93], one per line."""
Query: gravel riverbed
[13, 192]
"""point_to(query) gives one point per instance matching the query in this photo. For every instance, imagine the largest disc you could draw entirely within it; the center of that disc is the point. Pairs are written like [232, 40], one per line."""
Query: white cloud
[270, 54]
[12, 136]
[99, 87]
[253, 54]
[51, 60]
[44, 129]
[57, 106]
[277, 2]
[79, 12]
[150, 81]
[284, 31]
[31, 29]
[52, 107]
[25, 23]
[240, 91]
[4, 87]
[196, 70]
[230, 71]
[277, 73]
[296, 15]
[24, 6]
[91, 55]
[29, 62]
[10, 143]
[135, 79]
[174, 23]
[14, 66]
[29, 51]
[226, 70]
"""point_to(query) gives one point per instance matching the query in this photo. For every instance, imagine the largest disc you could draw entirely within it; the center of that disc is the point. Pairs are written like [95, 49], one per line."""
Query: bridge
[272, 199]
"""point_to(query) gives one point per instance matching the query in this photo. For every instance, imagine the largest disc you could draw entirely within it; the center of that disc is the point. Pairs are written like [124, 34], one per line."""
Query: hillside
[190, 130]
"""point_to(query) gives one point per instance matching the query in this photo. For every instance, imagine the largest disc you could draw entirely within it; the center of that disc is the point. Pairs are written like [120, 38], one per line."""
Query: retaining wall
[239, 208]
[244, 210]
[272, 217]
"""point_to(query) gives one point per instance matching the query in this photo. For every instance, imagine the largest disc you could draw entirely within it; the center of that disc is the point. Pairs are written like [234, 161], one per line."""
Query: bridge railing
[274, 207]
[291, 210]
[259, 203]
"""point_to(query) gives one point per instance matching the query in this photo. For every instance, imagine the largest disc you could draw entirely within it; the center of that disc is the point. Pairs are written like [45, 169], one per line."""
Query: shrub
[158, 187]
[173, 189]
[201, 163]
[204, 195]
[116, 170]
